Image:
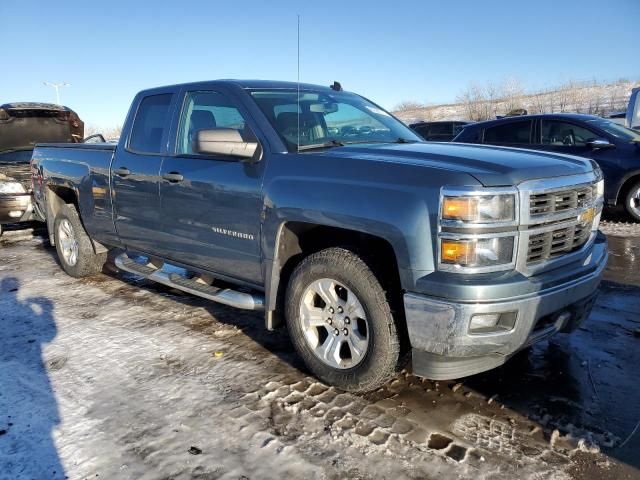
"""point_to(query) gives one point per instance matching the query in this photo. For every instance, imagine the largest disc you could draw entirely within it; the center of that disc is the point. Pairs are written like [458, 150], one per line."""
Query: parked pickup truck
[371, 244]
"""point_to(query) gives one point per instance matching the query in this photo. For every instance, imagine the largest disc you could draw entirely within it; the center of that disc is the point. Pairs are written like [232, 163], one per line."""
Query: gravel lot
[115, 377]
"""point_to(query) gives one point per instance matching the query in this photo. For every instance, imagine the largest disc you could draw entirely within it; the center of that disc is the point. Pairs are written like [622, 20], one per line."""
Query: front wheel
[340, 322]
[632, 202]
[73, 245]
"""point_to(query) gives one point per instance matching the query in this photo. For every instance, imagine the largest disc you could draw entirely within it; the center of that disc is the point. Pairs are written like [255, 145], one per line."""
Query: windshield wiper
[313, 146]
[337, 143]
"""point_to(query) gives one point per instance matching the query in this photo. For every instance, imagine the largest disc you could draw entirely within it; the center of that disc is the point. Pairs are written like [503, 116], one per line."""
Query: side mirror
[225, 142]
[600, 143]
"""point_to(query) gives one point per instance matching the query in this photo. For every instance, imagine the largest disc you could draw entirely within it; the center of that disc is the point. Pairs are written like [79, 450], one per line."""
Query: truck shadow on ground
[28, 406]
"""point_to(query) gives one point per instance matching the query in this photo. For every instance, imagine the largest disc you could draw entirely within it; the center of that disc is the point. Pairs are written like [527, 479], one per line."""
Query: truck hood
[490, 165]
[24, 124]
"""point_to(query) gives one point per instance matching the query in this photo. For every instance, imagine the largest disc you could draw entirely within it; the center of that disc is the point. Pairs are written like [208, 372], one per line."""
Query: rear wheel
[73, 245]
[340, 321]
[632, 202]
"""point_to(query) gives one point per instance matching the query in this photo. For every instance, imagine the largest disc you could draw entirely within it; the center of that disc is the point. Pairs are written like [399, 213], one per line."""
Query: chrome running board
[233, 298]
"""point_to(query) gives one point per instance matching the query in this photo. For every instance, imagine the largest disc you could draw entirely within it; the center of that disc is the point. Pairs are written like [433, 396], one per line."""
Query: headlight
[600, 189]
[11, 187]
[478, 229]
[477, 252]
[479, 208]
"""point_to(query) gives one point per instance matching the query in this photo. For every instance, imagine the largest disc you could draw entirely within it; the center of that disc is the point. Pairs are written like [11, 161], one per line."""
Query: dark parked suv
[438, 131]
[614, 147]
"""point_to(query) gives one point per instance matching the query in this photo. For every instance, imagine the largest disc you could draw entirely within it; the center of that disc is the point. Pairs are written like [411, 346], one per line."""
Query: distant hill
[484, 103]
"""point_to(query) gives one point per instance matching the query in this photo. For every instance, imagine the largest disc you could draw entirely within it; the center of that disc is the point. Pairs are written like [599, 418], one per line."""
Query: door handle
[173, 177]
[122, 171]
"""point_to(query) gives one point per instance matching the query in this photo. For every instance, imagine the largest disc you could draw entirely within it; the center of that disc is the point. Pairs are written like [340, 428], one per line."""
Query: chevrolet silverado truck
[22, 125]
[315, 205]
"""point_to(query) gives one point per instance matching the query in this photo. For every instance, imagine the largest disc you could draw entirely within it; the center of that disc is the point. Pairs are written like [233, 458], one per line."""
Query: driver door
[564, 137]
[211, 205]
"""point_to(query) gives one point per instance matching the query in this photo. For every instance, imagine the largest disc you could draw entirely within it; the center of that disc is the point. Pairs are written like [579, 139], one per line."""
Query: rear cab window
[441, 129]
[151, 124]
[512, 133]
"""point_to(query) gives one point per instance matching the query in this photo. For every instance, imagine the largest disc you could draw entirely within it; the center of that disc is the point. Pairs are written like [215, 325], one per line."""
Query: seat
[287, 124]
[568, 137]
[555, 135]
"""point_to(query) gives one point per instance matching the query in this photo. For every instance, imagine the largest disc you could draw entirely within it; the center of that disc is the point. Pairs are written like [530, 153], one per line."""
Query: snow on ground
[114, 377]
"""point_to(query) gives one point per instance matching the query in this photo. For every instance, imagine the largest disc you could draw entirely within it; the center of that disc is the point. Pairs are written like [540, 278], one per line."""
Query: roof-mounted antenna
[336, 86]
[298, 96]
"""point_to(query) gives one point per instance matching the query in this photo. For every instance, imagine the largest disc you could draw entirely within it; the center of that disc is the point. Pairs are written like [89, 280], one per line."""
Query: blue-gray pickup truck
[318, 207]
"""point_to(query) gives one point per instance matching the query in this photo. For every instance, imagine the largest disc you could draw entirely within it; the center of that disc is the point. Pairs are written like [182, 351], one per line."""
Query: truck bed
[83, 168]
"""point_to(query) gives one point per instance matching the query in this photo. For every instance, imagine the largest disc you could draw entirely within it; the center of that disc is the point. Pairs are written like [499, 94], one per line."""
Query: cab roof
[246, 84]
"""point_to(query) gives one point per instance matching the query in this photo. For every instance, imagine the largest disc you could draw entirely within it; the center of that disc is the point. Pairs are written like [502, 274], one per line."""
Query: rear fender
[56, 198]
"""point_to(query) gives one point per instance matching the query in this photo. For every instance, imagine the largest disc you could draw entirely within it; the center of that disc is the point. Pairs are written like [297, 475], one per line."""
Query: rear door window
[150, 124]
[513, 133]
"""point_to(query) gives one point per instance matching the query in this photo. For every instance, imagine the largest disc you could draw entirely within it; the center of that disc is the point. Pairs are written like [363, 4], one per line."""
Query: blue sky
[388, 51]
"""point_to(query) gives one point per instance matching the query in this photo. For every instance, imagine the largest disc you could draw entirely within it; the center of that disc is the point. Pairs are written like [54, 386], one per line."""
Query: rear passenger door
[135, 174]
[212, 205]
[510, 134]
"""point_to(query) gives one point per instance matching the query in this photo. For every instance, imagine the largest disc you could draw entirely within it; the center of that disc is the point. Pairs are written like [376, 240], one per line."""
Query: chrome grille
[554, 243]
[561, 201]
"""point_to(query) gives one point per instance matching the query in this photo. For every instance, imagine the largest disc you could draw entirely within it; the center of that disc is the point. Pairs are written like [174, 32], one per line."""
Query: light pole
[57, 87]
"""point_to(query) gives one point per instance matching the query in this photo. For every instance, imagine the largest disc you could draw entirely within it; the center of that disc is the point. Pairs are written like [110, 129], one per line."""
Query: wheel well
[298, 240]
[67, 194]
[626, 186]
[57, 197]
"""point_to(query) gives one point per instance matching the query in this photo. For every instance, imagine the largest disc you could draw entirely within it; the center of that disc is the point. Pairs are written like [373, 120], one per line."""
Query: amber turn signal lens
[460, 208]
[458, 251]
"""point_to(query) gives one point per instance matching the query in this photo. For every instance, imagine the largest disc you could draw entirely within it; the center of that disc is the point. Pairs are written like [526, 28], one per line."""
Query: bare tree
[484, 101]
[109, 133]
[512, 93]
[408, 105]
[539, 102]
[476, 102]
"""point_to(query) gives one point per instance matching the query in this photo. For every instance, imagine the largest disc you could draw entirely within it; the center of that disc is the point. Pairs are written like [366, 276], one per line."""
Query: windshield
[322, 120]
[617, 130]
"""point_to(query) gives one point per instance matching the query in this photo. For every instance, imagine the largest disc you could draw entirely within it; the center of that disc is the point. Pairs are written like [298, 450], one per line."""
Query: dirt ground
[115, 377]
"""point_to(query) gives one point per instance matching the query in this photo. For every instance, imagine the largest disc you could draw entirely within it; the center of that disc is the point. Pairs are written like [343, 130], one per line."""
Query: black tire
[631, 199]
[381, 362]
[88, 262]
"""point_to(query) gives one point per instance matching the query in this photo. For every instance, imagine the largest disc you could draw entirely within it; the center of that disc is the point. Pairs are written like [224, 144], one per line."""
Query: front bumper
[443, 348]
[15, 208]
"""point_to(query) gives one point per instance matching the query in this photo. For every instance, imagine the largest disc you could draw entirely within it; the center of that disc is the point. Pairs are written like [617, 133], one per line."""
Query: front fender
[401, 217]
